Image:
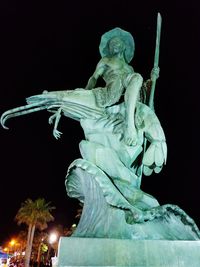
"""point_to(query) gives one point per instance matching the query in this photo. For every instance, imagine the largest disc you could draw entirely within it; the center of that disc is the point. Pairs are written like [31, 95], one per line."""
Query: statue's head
[116, 45]
[117, 41]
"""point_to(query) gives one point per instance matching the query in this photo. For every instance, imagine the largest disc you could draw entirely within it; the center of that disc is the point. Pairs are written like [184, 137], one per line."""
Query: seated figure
[117, 50]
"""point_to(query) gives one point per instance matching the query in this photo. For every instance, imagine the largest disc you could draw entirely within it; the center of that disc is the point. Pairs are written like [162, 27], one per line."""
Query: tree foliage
[35, 214]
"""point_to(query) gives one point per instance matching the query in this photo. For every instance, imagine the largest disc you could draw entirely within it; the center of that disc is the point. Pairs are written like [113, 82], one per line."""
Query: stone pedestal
[135, 253]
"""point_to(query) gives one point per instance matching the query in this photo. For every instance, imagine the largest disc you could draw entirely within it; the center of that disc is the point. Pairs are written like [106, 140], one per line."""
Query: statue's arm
[98, 72]
[147, 85]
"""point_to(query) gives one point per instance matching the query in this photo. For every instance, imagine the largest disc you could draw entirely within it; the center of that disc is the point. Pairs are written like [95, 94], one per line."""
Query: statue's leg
[131, 97]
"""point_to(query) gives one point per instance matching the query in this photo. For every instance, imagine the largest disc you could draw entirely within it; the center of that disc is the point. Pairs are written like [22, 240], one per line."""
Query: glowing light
[53, 238]
[12, 242]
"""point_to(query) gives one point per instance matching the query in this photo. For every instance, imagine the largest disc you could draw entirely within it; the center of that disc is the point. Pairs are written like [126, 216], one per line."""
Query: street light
[6, 250]
[12, 244]
[53, 238]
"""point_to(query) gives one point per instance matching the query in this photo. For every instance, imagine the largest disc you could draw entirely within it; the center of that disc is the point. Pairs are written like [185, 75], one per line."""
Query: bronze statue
[123, 140]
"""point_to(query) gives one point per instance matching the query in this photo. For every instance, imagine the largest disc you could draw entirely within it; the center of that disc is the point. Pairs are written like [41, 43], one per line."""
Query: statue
[123, 140]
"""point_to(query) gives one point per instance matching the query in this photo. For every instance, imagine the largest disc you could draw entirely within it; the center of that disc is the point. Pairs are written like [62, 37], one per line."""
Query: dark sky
[55, 47]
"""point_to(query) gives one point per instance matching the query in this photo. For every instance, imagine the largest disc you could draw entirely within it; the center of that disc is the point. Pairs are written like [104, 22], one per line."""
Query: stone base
[135, 253]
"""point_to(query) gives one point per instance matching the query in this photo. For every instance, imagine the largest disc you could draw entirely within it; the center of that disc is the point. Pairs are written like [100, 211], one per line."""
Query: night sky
[54, 46]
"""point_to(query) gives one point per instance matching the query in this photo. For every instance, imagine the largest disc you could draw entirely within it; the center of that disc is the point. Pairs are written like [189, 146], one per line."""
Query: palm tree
[35, 214]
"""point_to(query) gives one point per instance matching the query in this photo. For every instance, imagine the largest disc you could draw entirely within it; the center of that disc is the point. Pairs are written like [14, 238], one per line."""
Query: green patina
[123, 140]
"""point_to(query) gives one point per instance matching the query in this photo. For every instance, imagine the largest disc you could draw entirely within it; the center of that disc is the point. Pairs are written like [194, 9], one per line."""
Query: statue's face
[116, 46]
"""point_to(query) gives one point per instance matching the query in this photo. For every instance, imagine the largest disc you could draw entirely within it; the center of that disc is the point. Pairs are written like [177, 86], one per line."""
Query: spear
[153, 85]
[156, 61]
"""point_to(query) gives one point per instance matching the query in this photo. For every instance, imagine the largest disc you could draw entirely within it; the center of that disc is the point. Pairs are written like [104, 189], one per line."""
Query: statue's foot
[130, 137]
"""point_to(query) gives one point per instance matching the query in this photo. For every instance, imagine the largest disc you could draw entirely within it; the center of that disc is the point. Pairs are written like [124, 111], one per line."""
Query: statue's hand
[155, 73]
[91, 83]
[56, 134]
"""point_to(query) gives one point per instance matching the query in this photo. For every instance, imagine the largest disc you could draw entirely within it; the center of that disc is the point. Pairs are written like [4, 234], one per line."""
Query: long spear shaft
[156, 61]
[153, 85]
